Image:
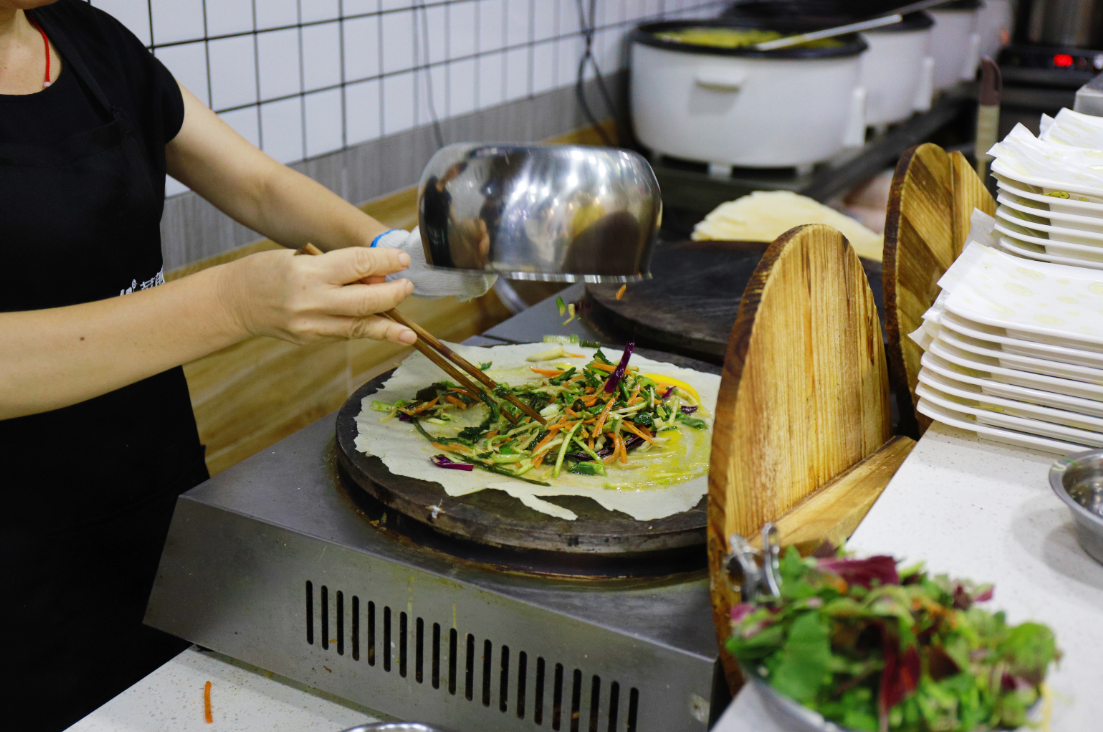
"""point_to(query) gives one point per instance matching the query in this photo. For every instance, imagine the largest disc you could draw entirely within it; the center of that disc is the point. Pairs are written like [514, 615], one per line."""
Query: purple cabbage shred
[443, 462]
[689, 410]
[613, 381]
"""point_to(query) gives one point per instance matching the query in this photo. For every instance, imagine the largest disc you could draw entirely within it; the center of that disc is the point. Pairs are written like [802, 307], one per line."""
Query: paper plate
[1083, 205]
[1072, 221]
[1023, 363]
[962, 390]
[995, 434]
[991, 369]
[1041, 398]
[966, 327]
[1050, 187]
[1006, 420]
[1039, 253]
[1048, 230]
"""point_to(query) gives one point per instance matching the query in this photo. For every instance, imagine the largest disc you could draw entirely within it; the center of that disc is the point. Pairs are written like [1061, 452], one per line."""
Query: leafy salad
[871, 648]
[598, 415]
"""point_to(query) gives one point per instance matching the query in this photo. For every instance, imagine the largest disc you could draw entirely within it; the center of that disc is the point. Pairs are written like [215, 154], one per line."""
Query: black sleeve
[167, 94]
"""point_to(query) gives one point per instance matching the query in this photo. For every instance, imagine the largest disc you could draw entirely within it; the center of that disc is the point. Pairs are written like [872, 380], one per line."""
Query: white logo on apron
[157, 279]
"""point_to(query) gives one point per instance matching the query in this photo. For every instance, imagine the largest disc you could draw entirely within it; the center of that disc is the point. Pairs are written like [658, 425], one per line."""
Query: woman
[97, 438]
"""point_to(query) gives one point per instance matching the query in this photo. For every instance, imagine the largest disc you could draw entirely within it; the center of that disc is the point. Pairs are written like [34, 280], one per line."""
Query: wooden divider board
[969, 193]
[803, 397]
[919, 248]
[930, 204]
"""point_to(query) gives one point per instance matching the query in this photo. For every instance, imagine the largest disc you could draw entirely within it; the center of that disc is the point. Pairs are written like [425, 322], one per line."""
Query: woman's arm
[208, 156]
[60, 356]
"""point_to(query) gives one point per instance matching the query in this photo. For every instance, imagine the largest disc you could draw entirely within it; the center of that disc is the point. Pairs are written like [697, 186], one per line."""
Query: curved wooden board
[803, 397]
[919, 248]
[969, 193]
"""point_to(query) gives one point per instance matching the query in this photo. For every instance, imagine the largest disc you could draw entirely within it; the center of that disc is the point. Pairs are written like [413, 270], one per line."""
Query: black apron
[87, 491]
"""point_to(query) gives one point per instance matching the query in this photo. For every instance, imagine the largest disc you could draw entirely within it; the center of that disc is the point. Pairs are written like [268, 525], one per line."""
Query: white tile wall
[301, 78]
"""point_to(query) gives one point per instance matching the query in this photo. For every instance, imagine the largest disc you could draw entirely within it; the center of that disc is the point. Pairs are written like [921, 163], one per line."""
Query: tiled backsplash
[308, 78]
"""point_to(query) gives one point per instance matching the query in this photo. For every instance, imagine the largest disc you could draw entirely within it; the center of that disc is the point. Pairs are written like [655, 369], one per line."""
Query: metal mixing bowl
[551, 213]
[396, 727]
[1078, 481]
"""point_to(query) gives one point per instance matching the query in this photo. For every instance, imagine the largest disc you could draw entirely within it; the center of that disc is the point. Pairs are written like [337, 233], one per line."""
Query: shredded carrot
[570, 412]
[492, 434]
[634, 400]
[546, 440]
[621, 447]
[207, 703]
[590, 400]
[539, 459]
[602, 417]
[620, 292]
[604, 367]
[635, 393]
[589, 389]
[463, 391]
[453, 400]
[574, 355]
[422, 408]
[636, 431]
[547, 372]
[450, 448]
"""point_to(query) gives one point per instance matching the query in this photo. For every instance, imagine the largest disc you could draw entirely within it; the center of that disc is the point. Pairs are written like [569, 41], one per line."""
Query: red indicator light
[1062, 60]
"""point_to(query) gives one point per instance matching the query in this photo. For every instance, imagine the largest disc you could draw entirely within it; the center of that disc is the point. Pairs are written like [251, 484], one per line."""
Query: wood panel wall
[253, 394]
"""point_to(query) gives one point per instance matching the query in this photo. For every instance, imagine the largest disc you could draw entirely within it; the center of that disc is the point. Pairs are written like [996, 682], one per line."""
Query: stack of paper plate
[1049, 221]
[1014, 352]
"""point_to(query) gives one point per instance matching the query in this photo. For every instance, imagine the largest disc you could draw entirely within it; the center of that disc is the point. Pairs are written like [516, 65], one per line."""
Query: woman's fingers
[352, 264]
[357, 301]
[375, 327]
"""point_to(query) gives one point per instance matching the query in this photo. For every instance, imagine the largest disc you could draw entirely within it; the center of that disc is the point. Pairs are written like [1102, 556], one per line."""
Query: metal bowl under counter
[1078, 481]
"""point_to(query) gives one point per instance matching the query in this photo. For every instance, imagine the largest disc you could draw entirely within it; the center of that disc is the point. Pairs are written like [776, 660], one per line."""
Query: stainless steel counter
[271, 563]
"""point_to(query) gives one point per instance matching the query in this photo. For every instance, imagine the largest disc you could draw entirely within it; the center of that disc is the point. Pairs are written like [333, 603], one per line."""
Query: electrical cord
[588, 25]
[438, 133]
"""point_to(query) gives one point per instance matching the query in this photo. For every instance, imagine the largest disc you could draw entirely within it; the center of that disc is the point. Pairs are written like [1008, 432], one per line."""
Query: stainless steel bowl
[396, 727]
[550, 213]
[1078, 481]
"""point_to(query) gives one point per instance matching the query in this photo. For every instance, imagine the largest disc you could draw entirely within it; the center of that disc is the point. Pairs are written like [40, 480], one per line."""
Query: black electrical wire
[588, 25]
[437, 131]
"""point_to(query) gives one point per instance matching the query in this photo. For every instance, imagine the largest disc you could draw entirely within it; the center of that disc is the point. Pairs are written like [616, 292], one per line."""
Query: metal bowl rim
[1057, 484]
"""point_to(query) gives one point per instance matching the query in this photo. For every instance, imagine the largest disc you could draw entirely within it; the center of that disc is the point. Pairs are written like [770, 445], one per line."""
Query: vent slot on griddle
[500, 683]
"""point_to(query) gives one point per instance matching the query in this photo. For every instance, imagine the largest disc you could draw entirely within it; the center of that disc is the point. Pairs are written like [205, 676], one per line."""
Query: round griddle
[690, 304]
[487, 525]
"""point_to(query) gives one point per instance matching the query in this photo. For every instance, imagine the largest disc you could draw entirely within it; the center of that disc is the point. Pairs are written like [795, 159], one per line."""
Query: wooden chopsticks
[437, 352]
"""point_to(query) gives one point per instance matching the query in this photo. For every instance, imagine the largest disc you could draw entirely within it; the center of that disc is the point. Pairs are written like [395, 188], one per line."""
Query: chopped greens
[596, 415]
[572, 339]
[560, 305]
[874, 649]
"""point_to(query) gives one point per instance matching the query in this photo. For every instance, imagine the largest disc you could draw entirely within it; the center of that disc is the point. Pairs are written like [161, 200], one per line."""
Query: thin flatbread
[648, 488]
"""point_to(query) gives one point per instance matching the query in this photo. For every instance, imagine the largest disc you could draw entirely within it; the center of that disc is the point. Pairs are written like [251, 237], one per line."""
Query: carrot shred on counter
[620, 292]
[547, 372]
[207, 703]
[636, 431]
[453, 400]
[574, 355]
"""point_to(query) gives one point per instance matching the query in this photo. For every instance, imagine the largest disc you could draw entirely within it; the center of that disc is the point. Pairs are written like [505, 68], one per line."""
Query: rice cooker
[738, 107]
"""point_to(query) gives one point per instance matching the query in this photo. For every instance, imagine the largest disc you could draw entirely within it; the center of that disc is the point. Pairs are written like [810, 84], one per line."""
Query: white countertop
[966, 508]
[243, 699]
[986, 512]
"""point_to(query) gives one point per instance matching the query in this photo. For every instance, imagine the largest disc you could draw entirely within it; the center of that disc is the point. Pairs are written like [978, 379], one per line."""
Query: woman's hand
[310, 299]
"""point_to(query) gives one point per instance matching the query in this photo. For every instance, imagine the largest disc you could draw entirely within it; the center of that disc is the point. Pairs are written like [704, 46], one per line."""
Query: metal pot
[1061, 23]
[396, 727]
[741, 107]
[548, 213]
